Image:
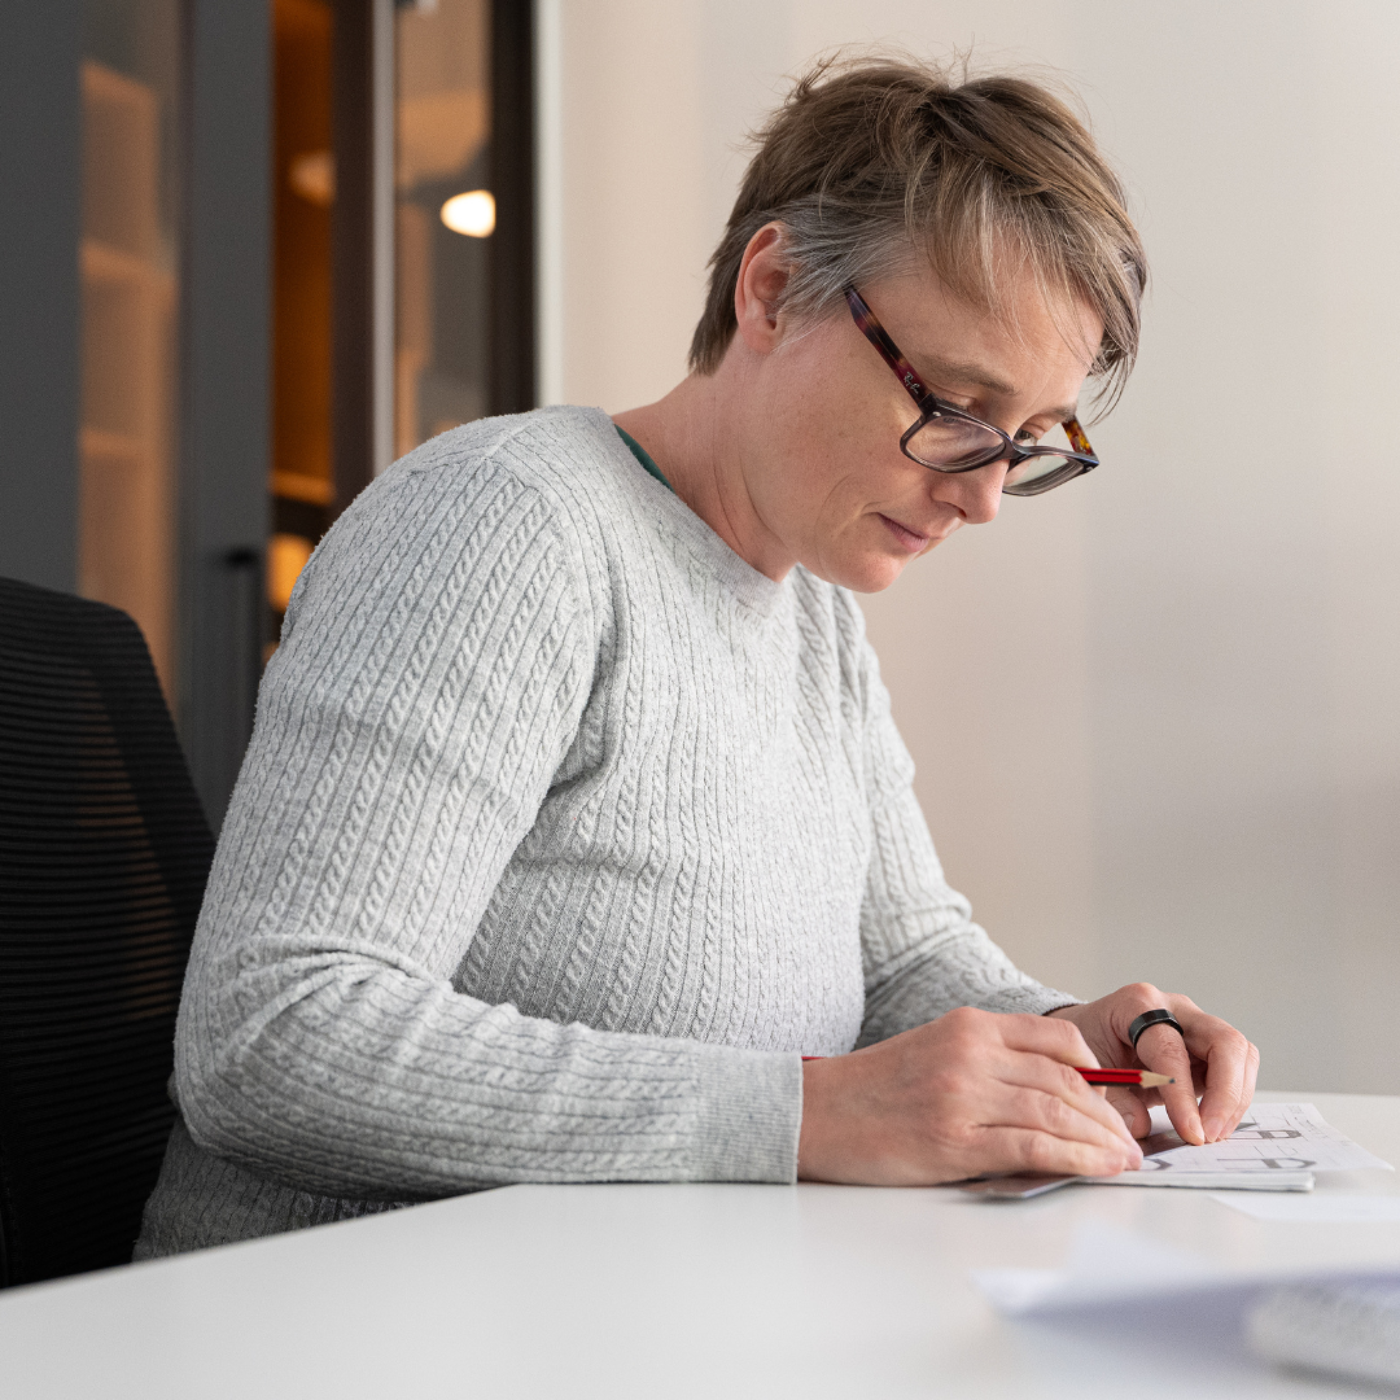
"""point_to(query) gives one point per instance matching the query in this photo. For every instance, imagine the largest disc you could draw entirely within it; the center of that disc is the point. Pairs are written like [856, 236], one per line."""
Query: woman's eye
[1027, 438]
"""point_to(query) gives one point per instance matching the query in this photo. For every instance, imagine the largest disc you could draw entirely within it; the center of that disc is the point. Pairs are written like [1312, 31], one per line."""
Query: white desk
[723, 1292]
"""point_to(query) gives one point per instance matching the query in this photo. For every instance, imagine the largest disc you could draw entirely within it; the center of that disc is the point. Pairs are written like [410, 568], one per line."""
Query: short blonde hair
[868, 163]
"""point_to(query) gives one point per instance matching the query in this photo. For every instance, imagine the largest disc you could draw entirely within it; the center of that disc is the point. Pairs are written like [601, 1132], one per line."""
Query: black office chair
[104, 851]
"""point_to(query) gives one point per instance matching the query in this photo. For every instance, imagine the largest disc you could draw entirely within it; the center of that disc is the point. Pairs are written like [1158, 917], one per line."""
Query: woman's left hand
[1215, 1061]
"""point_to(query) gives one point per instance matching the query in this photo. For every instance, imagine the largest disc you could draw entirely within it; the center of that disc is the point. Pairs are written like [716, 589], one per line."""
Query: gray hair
[871, 167]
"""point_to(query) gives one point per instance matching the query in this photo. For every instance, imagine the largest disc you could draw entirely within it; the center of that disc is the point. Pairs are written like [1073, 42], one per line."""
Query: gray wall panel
[40, 157]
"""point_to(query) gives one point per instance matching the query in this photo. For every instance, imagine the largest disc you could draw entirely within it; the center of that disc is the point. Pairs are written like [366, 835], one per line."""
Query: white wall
[1157, 713]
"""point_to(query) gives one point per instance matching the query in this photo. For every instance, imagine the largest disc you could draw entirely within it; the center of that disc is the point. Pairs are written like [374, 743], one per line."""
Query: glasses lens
[1046, 472]
[1032, 475]
[948, 444]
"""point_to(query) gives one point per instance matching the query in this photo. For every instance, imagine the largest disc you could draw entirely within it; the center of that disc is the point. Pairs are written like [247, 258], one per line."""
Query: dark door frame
[513, 246]
[226, 384]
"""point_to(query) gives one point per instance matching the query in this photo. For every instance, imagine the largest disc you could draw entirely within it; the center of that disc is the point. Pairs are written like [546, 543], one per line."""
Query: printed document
[1275, 1139]
[1277, 1147]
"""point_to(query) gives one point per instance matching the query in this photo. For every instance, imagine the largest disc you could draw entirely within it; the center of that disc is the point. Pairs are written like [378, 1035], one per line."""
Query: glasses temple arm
[1077, 439]
[878, 336]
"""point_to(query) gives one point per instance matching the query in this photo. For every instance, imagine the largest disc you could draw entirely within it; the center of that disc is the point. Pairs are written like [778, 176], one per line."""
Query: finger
[1022, 1149]
[1042, 1035]
[1232, 1066]
[1043, 1119]
[1047, 1045]
[1083, 1105]
[1162, 1049]
[1132, 1107]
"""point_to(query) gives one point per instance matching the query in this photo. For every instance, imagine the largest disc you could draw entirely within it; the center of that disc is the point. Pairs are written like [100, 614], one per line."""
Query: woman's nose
[977, 494]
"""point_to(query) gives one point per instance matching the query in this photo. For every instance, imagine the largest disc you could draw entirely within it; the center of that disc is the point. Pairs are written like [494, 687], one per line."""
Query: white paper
[1274, 1137]
[1319, 1210]
[1212, 1181]
[1350, 1330]
[1105, 1263]
[1109, 1266]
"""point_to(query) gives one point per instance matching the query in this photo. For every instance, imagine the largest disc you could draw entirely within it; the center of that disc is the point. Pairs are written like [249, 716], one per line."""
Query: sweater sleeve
[922, 953]
[438, 654]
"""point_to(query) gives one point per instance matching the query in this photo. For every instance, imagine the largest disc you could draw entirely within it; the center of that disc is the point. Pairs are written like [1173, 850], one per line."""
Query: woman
[575, 820]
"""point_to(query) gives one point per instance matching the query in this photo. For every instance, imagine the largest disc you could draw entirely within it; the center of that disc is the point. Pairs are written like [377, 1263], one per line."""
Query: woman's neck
[699, 439]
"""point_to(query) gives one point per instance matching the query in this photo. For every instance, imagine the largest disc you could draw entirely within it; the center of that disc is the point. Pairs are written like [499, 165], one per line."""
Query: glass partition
[443, 218]
[130, 280]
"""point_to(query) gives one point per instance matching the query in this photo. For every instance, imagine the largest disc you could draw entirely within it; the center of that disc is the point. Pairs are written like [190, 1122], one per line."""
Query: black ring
[1160, 1017]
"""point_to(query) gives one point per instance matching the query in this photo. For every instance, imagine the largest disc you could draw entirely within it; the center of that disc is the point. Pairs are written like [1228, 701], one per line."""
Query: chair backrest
[104, 851]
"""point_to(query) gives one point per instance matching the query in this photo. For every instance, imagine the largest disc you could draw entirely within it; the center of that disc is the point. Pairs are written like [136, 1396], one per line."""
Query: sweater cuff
[1057, 1001]
[750, 1115]
[1034, 1000]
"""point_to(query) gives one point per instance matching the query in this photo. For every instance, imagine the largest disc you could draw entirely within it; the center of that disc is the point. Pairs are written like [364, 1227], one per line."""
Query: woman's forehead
[982, 345]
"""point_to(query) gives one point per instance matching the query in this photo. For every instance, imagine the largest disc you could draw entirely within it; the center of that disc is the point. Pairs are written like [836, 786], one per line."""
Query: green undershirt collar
[641, 454]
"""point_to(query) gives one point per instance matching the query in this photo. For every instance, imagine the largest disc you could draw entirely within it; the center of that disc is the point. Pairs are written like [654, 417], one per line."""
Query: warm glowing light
[286, 558]
[312, 176]
[473, 213]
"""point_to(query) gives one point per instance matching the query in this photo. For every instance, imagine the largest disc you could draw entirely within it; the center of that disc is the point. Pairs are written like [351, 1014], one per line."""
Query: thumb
[1134, 1111]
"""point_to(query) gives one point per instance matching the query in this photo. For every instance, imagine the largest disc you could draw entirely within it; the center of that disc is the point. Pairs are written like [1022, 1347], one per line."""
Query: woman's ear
[763, 277]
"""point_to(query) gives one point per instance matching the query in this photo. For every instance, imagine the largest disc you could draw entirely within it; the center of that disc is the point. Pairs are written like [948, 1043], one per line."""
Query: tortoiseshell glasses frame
[965, 442]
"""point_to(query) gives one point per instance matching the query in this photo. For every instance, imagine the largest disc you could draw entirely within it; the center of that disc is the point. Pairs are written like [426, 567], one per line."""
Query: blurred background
[250, 253]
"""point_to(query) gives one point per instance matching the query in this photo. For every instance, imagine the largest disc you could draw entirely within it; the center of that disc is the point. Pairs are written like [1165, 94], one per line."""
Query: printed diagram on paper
[1285, 1137]
[1278, 1147]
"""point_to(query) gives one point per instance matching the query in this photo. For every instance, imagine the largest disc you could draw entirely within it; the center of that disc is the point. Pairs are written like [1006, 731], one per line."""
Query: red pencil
[1141, 1078]
[1144, 1078]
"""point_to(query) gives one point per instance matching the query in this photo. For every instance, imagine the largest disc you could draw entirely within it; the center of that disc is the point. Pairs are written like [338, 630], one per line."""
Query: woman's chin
[866, 573]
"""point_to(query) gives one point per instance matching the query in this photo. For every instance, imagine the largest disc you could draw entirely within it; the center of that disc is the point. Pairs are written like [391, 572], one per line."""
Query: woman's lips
[907, 539]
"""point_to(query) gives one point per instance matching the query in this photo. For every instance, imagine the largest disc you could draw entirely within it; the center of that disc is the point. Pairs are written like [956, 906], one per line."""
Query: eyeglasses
[949, 440]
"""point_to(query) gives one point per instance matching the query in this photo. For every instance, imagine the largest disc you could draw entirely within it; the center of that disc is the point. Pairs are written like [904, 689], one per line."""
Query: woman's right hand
[969, 1093]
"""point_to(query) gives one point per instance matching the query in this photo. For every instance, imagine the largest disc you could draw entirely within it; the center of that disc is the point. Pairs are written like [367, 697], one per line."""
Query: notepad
[1277, 1147]
[1272, 1137]
[1275, 1143]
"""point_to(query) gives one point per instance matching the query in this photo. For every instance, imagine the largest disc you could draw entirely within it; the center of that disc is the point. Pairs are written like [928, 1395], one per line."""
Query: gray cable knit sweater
[563, 833]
